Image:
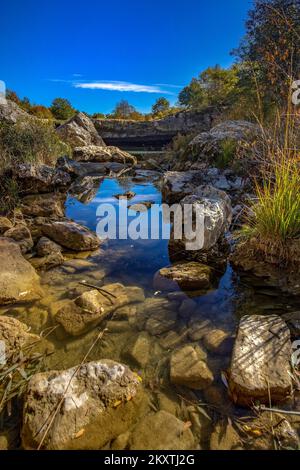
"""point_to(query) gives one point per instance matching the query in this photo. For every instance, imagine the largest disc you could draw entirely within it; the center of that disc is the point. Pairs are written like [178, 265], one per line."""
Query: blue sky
[97, 52]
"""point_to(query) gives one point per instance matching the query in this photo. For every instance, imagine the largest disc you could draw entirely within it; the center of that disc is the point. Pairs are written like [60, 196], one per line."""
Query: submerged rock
[79, 131]
[261, 361]
[18, 341]
[188, 368]
[71, 235]
[225, 437]
[97, 401]
[186, 276]
[161, 431]
[18, 280]
[92, 307]
[138, 350]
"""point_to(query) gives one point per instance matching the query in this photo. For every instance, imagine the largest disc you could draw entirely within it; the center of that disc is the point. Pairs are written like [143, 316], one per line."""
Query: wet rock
[173, 339]
[178, 184]
[85, 188]
[45, 247]
[44, 263]
[224, 437]
[138, 350]
[35, 179]
[160, 322]
[161, 431]
[92, 307]
[71, 235]
[22, 236]
[187, 308]
[188, 276]
[217, 341]
[260, 362]
[188, 368]
[44, 205]
[102, 395]
[100, 154]
[199, 328]
[18, 341]
[18, 280]
[5, 224]
[213, 208]
[79, 131]
[127, 195]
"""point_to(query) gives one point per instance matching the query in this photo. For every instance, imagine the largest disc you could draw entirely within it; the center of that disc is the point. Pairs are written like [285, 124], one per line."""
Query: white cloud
[121, 86]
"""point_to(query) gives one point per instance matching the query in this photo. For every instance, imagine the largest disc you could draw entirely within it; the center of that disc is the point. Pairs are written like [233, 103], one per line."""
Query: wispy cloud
[121, 86]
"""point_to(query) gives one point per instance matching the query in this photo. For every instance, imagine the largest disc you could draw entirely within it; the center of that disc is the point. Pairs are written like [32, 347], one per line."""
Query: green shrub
[227, 154]
[29, 140]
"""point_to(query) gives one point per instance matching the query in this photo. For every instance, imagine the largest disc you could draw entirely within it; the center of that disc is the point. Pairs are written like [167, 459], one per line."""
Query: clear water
[134, 263]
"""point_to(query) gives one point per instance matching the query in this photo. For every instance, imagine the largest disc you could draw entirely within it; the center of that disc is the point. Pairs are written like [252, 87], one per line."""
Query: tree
[161, 106]
[41, 112]
[123, 110]
[272, 42]
[62, 109]
[214, 86]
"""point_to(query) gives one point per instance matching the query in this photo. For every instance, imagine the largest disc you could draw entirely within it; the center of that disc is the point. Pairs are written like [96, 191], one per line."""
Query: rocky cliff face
[157, 133]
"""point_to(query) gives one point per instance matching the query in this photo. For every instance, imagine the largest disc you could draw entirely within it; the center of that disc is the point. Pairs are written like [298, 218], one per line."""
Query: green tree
[62, 109]
[272, 42]
[161, 106]
[192, 96]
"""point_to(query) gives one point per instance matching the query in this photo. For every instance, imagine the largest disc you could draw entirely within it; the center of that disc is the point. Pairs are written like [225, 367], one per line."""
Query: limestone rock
[92, 307]
[22, 236]
[45, 247]
[161, 431]
[186, 276]
[44, 205]
[188, 368]
[71, 235]
[224, 437]
[98, 401]
[35, 179]
[138, 350]
[261, 360]
[18, 340]
[217, 341]
[79, 131]
[100, 154]
[5, 224]
[18, 280]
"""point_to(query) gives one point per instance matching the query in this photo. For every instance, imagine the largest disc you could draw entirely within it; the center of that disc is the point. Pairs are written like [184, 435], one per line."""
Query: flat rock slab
[71, 235]
[18, 280]
[261, 360]
[186, 276]
[97, 401]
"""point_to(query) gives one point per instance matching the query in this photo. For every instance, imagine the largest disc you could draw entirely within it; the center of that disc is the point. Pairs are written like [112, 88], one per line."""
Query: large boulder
[261, 361]
[80, 169]
[18, 280]
[186, 276]
[80, 131]
[210, 143]
[94, 153]
[92, 307]
[93, 403]
[71, 235]
[188, 367]
[35, 179]
[21, 235]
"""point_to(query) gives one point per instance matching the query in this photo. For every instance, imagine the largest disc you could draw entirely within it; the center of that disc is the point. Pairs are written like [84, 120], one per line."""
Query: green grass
[276, 215]
[227, 154]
